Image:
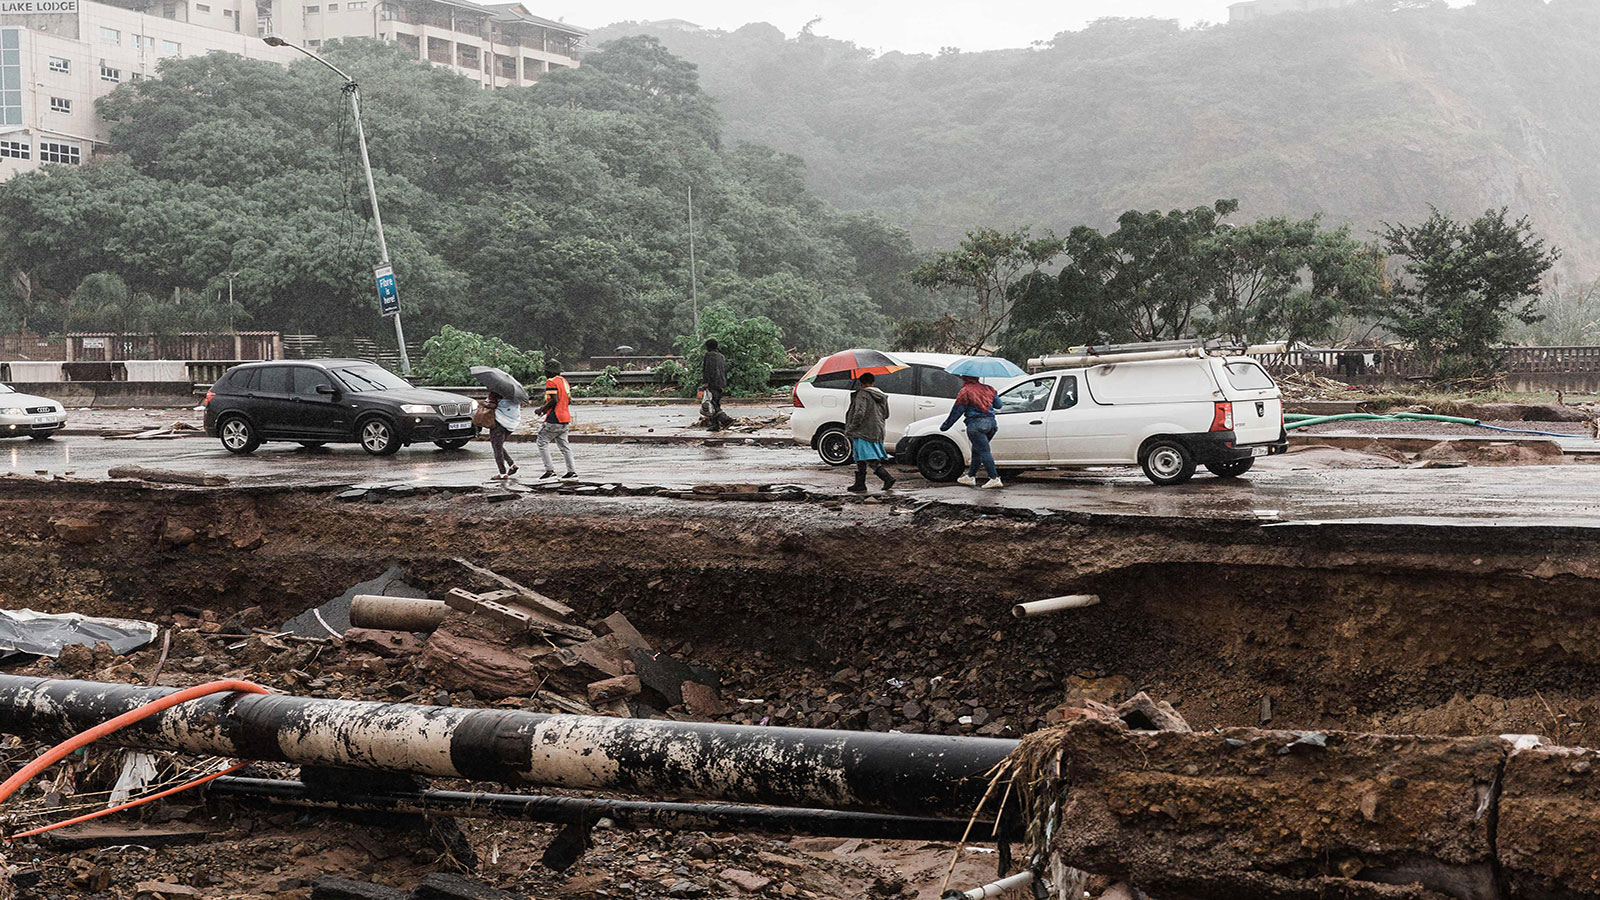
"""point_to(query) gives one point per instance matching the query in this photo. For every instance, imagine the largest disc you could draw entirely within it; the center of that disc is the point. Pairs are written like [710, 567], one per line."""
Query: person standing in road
[864, 426]
[977, 403]
[557, 412]
[714, 377]
[505, 415]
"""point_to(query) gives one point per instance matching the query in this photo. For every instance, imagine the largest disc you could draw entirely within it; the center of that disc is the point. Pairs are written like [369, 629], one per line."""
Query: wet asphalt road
[1282, 489]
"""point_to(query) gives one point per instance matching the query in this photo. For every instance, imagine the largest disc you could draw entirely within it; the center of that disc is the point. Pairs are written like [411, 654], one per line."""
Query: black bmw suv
[324, 401]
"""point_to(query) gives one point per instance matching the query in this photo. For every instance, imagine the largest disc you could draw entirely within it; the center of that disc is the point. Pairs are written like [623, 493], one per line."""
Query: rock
[686, 889]
[174, 535]
[468, 656]
[619, 688]
[384, 643]
[879, 719]
[77, 531]
[745, 881]
[701, 701]
[350, 496]
[1144, 714]
[332, 887]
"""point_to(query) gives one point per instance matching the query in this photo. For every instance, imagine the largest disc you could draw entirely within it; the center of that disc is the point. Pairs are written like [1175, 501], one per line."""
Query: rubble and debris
[169, 430]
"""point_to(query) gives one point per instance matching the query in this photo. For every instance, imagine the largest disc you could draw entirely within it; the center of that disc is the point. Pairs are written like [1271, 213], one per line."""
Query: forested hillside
[554, 216]
[1366, 114]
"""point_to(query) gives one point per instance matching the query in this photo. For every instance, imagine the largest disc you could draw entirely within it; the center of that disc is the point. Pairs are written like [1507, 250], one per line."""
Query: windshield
[1247, 376]
[371, 378]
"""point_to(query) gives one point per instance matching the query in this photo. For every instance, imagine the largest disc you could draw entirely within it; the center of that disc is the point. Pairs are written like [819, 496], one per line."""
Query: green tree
[448, 358]
[1262, 292]
[753, 346]
[1462, 284]
[987, 270]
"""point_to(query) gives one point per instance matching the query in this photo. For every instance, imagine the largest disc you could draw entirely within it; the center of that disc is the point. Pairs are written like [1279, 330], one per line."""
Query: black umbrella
[498, 381]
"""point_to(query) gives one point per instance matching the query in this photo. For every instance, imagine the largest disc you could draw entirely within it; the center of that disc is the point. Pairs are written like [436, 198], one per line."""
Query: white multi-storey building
[58, 56]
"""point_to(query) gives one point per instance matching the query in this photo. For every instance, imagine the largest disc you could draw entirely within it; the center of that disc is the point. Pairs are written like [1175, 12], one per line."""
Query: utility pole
[694, 288]
[386, 291]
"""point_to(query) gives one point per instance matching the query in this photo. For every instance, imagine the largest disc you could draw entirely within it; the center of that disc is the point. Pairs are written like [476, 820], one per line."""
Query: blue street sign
[388, 291]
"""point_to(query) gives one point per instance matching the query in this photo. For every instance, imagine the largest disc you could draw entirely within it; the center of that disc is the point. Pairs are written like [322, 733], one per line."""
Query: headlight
[11, 411]
[474, 406]
[417, 409]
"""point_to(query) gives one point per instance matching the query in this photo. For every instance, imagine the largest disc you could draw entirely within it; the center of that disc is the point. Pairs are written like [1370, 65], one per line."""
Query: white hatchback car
[923, 390]
[28, 415]
[1167, 416]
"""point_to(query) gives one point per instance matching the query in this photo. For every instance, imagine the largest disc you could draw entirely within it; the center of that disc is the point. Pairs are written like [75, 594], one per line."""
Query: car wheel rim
[375, 436]
[235, 435]
[1165, 462]
[835, 449]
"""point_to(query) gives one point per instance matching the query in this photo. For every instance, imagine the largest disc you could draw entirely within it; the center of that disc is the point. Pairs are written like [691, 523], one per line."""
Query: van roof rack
[1148, 351]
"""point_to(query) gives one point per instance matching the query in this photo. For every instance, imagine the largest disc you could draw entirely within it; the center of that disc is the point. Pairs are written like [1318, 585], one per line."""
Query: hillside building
[58, 56]
[1252, 10]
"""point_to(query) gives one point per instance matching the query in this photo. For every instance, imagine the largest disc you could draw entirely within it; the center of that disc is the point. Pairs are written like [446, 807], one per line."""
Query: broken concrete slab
[388, 644]
[165, 476]
[464, 654]
[619, 625]
[609, 654]
[91, 836]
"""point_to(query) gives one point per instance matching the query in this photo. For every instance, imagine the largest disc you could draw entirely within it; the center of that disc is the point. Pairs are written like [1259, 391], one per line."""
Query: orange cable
[65, 748]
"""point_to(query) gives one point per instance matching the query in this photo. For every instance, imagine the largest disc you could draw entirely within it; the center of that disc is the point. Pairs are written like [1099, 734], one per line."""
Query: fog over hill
[1365, 114]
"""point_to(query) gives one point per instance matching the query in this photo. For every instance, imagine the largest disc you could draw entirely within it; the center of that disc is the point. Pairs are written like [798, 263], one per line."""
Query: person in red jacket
[557, 412]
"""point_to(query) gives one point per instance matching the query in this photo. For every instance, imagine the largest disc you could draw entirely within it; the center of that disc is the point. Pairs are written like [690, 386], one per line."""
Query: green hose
[1343, 417]
[1303, 421]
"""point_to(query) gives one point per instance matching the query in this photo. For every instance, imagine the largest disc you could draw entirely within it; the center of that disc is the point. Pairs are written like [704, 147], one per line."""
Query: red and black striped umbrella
[857, 363]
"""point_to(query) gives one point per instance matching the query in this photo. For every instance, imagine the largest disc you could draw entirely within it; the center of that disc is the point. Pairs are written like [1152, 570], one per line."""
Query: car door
[316, 413]
[1024, 435]
[269, 401]
[1072, 425]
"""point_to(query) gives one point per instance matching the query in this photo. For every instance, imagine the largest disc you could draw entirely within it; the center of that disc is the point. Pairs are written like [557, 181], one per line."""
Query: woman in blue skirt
[863, 425]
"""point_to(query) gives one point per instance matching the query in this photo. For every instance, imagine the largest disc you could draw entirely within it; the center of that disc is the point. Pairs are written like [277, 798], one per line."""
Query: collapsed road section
[883, 626]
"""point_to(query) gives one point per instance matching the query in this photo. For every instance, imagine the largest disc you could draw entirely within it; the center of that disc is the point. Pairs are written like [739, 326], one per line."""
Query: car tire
[452, 445]
[833, 446]
[238, 435]
[1233, 468]
[312, 445]
[378, 436]
[940, 460]
[1167, 462]
[43, 437]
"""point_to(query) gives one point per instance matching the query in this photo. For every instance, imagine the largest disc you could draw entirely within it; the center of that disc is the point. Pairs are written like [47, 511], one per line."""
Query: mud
[870, 618]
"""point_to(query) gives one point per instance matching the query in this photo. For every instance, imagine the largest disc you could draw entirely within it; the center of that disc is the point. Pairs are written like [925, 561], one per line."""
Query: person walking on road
[864, 426]
[505, 415]
[557, 412]
[977, 403]
[714, 376]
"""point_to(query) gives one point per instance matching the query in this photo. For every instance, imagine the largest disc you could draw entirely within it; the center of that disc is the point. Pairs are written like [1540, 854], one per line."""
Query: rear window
[939, 383]
[1247, 376]
[273, 380]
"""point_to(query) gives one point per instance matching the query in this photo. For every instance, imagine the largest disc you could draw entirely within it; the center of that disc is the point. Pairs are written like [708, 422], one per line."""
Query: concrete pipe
[1054, 604]
[397, 613]
[900, 774]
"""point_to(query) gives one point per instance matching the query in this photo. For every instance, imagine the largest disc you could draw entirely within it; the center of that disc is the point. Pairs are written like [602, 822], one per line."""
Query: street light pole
[354, 92]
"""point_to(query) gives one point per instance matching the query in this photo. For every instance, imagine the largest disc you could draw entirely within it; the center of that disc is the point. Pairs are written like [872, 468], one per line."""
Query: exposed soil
[874, 619]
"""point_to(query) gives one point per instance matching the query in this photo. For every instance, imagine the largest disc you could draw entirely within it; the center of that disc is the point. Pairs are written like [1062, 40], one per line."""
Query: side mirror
[327, 390]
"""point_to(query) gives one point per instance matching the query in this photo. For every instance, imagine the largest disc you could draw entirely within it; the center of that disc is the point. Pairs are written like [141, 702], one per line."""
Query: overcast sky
[918, 27]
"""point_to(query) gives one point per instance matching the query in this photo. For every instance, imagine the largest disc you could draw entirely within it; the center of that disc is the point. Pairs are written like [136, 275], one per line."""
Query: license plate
[460, 426]
[43, 420]
[1259, 451]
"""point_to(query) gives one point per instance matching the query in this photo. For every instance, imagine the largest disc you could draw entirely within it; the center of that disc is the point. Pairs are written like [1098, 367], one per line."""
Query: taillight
[794, 397]
[209, 395]
[1223, 420]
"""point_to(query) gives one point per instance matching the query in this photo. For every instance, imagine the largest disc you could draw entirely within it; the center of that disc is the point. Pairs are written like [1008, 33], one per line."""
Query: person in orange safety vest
[557, 412]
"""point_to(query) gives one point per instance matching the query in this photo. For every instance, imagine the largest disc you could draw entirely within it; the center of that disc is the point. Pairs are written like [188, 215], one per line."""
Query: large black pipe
[899, 774]
[625, 813]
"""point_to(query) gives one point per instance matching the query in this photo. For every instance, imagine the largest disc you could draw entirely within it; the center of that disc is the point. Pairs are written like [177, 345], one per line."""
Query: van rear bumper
[1223, 446]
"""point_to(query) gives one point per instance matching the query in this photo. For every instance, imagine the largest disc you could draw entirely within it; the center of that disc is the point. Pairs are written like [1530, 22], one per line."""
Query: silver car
[25, 414]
